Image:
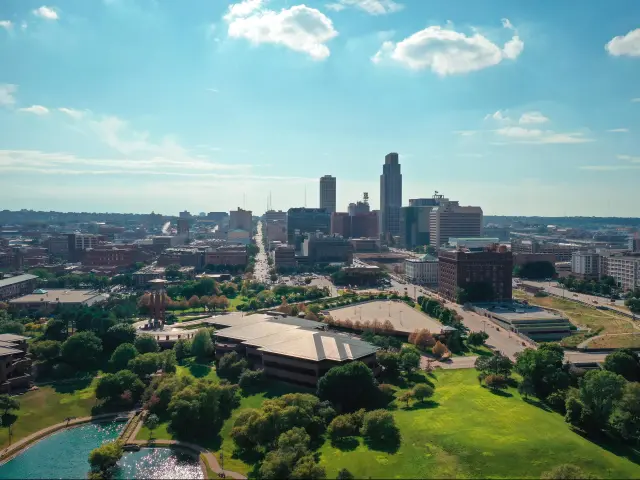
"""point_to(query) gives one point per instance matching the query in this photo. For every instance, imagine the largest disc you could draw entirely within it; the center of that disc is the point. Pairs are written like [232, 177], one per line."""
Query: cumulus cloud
[532, 117]
[7, 91]
[45, 12]
[73, 113]
[299, 28]
[6, 24]
[448, 52]
[498, 115]
[35, 109]
[628, 44]
[372, 7]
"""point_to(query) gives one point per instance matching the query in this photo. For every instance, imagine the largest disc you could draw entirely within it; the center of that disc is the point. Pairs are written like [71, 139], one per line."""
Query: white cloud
[447, 52]
[6, 24]
[618, 130]
[507, 24]
[242, 9]
[629, 158]
[6, 94]
[299, 28]
[73, 113]
[372, 7]
[213, 90]
[628, 44]
[498, 116]
[532, 117]
[35, 109]
[45, 12]
[528, 135]
[465, 133]
[635, 100]
[605, 168]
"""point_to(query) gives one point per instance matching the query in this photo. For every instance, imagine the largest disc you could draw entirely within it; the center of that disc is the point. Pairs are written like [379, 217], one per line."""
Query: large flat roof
[59, 296]
[8, 351]
[514, 311]
[293, 337]
[17, 279]
[11, 337]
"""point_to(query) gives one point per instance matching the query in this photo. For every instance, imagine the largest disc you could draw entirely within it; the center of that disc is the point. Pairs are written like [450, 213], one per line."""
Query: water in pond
[61, 455]
[64, 455]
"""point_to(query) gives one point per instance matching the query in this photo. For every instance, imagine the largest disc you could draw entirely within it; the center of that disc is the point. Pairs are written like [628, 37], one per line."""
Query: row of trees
[605, 286]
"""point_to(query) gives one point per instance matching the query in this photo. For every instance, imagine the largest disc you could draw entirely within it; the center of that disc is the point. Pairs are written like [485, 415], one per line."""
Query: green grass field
[47, 406]
[471, 432]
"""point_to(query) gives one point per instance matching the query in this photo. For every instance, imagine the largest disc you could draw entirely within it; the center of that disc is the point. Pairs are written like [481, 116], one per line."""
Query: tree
[343, 426]
[380, 430]
[306, 468]
[231, 366]
[121, 356]
[565, 472]
[251, 380]
[182, 348]
[46, 350]
[623, 362]
[146, 344]
[344, 474]
[145, 365]
[406, 396]
[422, 391]
[477, 338]
[544, 368]
[8, 403]
[117, 335]
[349, 387]
[599, 391]
[495, 382]
[537, 270]
[390, 362]
[82, 350]
[525, 388]
[105, 458]
[409, 360]
[151, 422]
[625, 419]
[633, 304]
[201, 345]
[112, 386]
[16, 328]
[439, 349]
[496, 364]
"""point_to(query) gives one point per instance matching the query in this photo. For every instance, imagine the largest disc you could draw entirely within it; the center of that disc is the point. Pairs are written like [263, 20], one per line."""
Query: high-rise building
[328, 193]
[390, 195]
[365, 225]
[585, 265]
[301, 221]
[183, 226]
[449, 219]
[415, 221]
[272, 215]
[240, 220]
[341, 224]
[478, 276]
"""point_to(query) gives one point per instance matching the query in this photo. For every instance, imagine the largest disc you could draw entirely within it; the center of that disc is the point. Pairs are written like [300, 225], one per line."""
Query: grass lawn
[160, 433]
[468, 431]
[234, 302]
[616, 341]
[189, 366]
[583, 316]
[47, 406]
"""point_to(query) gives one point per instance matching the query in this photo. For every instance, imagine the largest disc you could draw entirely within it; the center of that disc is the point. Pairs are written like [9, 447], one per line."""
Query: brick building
[487, 273]
[15, 286]
[230, 255]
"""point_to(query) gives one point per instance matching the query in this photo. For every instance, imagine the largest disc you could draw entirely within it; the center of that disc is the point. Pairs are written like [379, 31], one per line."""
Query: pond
[64, 455]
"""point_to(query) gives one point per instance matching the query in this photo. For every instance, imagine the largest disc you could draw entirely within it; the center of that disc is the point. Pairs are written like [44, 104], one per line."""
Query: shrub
[496, 382]
[557, 400]
[422, 391]
[380, 430]
[251, 380]
[343, 426]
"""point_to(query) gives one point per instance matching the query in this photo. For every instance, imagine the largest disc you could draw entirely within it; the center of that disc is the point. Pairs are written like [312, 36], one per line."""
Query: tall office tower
[390, 196]
[240, 220]
[449, 219]
[328, 193]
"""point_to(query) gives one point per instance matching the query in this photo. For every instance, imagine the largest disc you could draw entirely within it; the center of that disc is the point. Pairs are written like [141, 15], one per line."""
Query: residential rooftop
[5, 282]
[60, 296]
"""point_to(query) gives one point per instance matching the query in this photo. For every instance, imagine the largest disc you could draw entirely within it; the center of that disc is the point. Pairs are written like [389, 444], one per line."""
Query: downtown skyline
[140, 105]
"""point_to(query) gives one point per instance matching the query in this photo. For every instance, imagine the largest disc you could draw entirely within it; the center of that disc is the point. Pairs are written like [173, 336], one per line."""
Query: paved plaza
[402, 316]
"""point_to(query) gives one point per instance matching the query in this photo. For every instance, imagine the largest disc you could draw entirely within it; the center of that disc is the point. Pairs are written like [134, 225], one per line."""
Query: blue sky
[528, 108]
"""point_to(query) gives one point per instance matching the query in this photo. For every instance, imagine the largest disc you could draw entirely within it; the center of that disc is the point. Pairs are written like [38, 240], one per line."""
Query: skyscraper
[328, 193]
[390, 196]
[449, 220]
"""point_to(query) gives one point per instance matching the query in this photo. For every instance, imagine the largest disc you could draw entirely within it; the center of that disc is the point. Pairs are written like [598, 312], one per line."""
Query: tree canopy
[349, 387]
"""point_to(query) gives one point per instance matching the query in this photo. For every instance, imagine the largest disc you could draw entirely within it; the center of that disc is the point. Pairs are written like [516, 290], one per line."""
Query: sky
[522, 108]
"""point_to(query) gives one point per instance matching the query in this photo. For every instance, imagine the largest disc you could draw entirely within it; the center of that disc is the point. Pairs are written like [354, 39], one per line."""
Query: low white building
[625, 269]
[422, 271]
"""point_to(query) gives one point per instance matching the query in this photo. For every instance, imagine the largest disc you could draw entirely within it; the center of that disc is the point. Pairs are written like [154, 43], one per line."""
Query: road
[261, 270]
[554, 289]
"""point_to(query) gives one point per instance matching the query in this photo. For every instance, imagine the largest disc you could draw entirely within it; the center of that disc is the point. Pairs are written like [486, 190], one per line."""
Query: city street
[261, 271]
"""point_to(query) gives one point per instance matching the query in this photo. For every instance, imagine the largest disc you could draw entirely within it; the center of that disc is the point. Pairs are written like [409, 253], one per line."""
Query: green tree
[307, 469]
[625, 419]
[8, 403]
[390, 362]
[380, 430]
[231, 366]
[422, 391]
[477, 338]
[112, 387]
[496, 364]
[82, 350]
[201, 345]
[105, 458]
[406, 397]
[151, 422]
[344, 474]
[349, 387]
[623, 362]
[599, 391]
[251, 380]
[544, 368]
[121, 356]
[46, 350]
[182, 348]
[146, 344]
[409, 360]
[343, 426]
[12, 327]
[145, 365]
[117, 335]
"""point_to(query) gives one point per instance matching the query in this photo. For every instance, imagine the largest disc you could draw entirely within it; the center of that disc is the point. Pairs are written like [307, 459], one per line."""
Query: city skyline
[139, 105]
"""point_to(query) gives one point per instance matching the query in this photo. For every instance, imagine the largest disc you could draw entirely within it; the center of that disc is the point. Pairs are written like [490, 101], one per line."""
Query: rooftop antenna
[365, 198]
